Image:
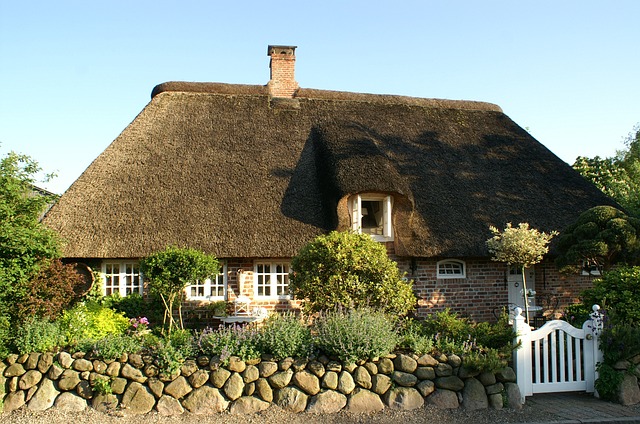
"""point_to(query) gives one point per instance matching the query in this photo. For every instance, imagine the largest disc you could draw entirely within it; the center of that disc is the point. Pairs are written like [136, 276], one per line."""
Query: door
[514, 280]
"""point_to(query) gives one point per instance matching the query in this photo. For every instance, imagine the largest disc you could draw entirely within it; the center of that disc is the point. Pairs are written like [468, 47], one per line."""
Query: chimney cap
[282, 50]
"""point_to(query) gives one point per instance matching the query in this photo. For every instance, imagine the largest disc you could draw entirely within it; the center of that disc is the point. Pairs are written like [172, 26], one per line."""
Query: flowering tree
[521, 246]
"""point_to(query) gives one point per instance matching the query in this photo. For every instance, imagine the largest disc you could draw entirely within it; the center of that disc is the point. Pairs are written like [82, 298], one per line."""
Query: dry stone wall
[203, 386]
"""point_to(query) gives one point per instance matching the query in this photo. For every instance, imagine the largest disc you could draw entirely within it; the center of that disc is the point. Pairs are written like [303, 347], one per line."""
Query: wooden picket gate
[557, 357]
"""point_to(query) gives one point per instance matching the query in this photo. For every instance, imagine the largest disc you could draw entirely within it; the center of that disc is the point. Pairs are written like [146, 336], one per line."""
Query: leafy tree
[173, 269]
[618, 293]
[345, 269]
[601, 236]
[521, 246]
[619, 176]
[24, 241]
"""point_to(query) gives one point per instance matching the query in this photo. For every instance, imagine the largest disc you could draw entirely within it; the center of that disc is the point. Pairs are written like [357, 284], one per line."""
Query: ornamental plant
[170, 271]
[350, 270]
[520, 246]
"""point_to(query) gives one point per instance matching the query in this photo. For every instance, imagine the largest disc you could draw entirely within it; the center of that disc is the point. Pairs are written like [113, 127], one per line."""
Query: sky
[74, 74]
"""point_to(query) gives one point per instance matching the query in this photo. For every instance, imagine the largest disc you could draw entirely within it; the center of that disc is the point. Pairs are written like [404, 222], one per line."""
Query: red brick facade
[479, 296]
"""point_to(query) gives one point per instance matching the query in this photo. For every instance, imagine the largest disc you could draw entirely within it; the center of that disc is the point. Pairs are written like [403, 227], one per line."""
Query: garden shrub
[134, 305]
[447, 325]
[5, 336]
[617, 292]
[412, 337]
[38, 335]
[113, 346]
[618, 342]
[355, 334]
[91, 321]
[229, 341]
[608, 382]
[51, 290]
[576, 314]
[345, 269]
[285, 335]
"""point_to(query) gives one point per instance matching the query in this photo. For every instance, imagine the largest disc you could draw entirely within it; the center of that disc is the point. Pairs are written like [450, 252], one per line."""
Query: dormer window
[371, 214]
[451, 268]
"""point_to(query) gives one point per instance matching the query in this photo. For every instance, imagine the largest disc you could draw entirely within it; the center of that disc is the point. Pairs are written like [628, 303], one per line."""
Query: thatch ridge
[309, 93]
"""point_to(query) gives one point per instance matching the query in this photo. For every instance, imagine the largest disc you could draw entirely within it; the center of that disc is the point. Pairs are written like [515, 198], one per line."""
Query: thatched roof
[228, 170]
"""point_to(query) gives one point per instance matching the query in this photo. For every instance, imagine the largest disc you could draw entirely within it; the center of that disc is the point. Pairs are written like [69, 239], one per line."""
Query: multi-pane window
[211, 288]
[271, 279]
[451, 268]
[371, 214]
[122, 277]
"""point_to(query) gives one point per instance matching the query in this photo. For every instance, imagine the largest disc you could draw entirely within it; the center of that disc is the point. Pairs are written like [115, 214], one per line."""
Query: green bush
[284, 335]
[169, 358]
[484, 360]
[134, 305]
[5, 336]
[102, 385]
[38, 335]
[114, 346]
[619, 342]
[349, 270]
[91, 321]
[229, 341]
[182, 341]
[447, 325]
[355, 334]
[498, 335]
[608, 382]
[576, 314]
[618, 293]
[412, 337]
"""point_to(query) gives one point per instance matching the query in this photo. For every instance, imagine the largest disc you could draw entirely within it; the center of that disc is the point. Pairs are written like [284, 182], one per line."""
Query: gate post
[522, 355]
[594, 329]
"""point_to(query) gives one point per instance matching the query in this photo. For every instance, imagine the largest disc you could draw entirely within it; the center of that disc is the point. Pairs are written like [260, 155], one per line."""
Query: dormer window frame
[358, 212]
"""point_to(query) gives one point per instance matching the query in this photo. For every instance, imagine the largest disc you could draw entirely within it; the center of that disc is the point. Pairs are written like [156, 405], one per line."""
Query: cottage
[251, 173]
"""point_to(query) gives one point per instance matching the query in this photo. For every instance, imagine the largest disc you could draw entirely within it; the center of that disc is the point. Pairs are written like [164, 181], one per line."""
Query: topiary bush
[355, 334]
[285, 335]
[345, 269]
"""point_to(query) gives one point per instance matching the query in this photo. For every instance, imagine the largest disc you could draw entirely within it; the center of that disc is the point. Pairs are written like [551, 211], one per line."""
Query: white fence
[557, 357]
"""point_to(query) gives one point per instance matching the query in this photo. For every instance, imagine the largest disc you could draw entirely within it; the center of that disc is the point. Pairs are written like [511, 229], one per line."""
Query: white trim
[124, 281]
[272, 283]
[451, 268]
[387, 210]
[206, 288]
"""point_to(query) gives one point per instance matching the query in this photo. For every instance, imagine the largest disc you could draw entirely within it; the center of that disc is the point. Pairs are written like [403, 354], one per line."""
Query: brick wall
[479, 296]
[283, 60]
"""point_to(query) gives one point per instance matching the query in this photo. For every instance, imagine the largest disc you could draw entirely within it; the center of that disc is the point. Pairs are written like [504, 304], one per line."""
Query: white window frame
[387, 208]
[127, 282]
[208, 287]
[271, 281]
[446, 264]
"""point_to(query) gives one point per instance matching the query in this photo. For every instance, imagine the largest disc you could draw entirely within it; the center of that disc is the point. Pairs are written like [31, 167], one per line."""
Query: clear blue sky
[74, 74]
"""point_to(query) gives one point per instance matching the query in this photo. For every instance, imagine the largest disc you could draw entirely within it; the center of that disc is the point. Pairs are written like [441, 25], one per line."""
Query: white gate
[557, 357]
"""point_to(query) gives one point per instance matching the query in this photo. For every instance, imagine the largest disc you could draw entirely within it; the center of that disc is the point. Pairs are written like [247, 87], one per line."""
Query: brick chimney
[282, 65]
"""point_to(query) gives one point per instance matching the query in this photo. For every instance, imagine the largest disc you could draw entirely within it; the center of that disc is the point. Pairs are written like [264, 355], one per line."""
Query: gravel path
[276, 415]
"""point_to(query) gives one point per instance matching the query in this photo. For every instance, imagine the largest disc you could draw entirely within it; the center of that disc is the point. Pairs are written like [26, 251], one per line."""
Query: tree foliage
[345, 269]
[24, 241]
[601, 236]
[619, 176]
[618, 294]
[170, 271]
[522, 246]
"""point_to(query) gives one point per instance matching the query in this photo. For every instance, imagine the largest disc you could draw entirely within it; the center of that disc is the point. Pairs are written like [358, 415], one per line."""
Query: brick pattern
[480, 296]
[282, 82]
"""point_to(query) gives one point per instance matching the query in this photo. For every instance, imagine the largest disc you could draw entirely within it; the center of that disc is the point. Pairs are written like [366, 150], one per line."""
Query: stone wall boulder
[291, 399]
[474, 395]
[138, 399]
[248, 405]
[363, 400]
[327, 402]
[44, 397]
[168, 406]
[205, 400]
[405, 398]
[69, 401]
[443, 399]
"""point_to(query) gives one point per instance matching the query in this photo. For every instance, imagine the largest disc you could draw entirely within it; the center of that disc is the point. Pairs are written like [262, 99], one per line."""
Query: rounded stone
[405, 363]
